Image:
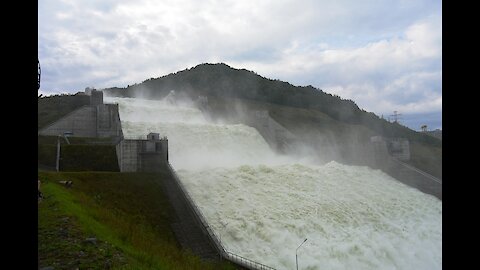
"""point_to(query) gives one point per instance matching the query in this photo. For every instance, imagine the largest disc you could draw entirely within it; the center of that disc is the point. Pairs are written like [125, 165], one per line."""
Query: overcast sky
[384, 55]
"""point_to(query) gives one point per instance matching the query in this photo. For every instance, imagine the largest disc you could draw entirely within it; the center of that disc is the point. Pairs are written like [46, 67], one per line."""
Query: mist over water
[194, 142]
[263, 205]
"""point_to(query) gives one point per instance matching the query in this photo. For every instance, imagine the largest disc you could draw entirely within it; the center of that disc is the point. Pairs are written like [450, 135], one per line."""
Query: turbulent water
[263, 206]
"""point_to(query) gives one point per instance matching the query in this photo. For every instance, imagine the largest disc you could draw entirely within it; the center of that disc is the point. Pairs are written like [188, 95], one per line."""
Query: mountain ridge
[221, 80]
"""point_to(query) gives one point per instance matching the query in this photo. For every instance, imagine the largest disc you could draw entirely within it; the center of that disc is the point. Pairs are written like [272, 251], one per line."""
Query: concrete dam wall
[96, 120]
[81, 122]
[100, 121]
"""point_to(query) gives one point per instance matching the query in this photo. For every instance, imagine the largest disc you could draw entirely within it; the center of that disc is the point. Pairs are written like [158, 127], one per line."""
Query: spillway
[263, 205]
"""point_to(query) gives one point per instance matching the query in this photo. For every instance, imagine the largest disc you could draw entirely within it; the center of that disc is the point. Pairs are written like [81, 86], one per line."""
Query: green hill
[220, 80]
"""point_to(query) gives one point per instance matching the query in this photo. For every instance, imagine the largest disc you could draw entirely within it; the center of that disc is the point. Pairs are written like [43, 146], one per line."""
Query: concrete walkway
[186, 228]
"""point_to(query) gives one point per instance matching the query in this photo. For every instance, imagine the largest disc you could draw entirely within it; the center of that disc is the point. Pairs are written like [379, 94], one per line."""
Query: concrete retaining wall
[401, 171]
[414, 177]
[127, 153]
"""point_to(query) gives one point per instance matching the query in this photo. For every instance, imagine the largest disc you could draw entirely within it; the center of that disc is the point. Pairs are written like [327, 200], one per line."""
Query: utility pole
[58, 154]
[65, 134]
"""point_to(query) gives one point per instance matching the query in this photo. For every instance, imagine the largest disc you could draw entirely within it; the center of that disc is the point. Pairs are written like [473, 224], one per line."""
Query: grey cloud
[357, 49]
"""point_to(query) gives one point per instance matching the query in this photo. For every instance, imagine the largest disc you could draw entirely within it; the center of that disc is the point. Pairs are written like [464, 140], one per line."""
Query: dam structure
[136, 154]
[257, 204]
[96, 120]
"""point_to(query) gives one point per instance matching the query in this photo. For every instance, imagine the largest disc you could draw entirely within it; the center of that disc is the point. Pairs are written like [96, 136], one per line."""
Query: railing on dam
[247, 263]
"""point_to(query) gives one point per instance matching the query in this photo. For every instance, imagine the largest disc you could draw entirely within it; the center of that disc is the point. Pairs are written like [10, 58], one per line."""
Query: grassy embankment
[127, 214]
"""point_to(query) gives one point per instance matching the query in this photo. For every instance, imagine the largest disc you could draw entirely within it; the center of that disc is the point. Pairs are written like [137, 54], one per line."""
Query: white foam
[263, 206]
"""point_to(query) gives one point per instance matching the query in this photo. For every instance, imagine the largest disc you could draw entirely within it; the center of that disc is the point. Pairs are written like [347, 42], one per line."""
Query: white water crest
[263, 205]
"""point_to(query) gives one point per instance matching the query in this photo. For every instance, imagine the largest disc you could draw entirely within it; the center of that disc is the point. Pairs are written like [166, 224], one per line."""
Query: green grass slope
[127, 213]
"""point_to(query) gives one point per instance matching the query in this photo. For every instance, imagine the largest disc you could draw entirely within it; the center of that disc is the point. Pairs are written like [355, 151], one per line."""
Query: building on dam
[141, 155]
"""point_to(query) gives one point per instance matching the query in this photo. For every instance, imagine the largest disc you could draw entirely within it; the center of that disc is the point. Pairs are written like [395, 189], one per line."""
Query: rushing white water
[263, 206]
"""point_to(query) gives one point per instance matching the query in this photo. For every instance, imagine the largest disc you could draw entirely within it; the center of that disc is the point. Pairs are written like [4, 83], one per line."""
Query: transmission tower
[396, 116]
